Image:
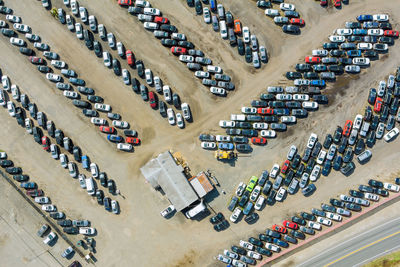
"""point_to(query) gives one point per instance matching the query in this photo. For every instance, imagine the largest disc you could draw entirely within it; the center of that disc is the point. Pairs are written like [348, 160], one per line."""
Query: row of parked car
[194, 59]
[126, 54]
[292, 230]
[337, 151]
[280, 107]
[286, 16]
[61, 142]
[60, 81]
[231, 29]
[335, 3]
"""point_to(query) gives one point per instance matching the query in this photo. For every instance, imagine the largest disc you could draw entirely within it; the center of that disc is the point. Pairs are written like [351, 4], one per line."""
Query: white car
[314, 225]
[217, 91]
[82, 180]
[151, 11]
[125, 147]
[255, 193]
[259, 203]
[92, 23]
[102, 107]
[281, 194]
[288, 119]
[347, 198]
[268, 133]
[343, 212]
[315, 173]
[70, 94]
[391, 81]
[249, 110]
[15, 92]
[17, 41]
[58, 64]
[83, 14]
[186, 59]
[361, 201]
[312, 140]
[375, 32]
[70, 22]
[102, 31]
[389, 136]
[22, 27]
[309, 105]
[246, 245]
[106, 59]
[357, 122]
[150, 25]
[214, 69]
[78, 30]
[380, 131]
[240, 189]
[337, 38]
[2, 98]
[301, 97]
[254, 255]
[87, 230]
[11, 108]
[120, 124]
[391, 187]
[28, 125]
[361, 61]
[260, 125]
[287, 7]
[324, 221]
[371, 196]
[74, 7]
[231, 254]
[274, 171]
[126, 76]
[271, 12]
[246, 35]
[292, 151]
[98, 121]
[331, 152]
[301, 82]
[272, 247]
[178, 36]
[5, 81]
[224, 259]
[179, 120]
[202, 74]
[380, 17]
[149, 76]
[381, 88]
[42, 200]
[53, 77]
[49, 207]
[320, 52]
[208, 145]
[63, 161]
[167, 93]
[235, 214]
[333, 216]
[321, 157]
[111, 39]
[49, 238]
[284, 97]
[13, 18]
[171, 116]
[223, 138]
[167, 211]
[207, 15]
[94, 170]
[364, 46]
[344, 32]
[226, 124]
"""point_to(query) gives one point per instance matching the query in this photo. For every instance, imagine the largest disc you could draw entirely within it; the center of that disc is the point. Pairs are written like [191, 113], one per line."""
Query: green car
[252, 183]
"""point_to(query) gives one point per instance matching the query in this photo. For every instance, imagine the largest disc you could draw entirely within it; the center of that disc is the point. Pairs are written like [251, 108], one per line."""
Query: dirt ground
[139, 236]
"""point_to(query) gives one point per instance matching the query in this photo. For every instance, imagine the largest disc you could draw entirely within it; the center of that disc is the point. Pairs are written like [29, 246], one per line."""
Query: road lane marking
[377, 256]
[364, 247]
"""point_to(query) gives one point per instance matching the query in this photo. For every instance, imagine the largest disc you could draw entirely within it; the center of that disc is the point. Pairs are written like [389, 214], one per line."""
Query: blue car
[327, 168]
[362, 18]
[370, 24]
[280, 243]
[225, 146]
[28, 185]
[114, 138]
[360, 31]
[248, 208]
[281, 111]
[213, 5]
[320, 83]
[308, 190]
[85, 162]
[354, 53]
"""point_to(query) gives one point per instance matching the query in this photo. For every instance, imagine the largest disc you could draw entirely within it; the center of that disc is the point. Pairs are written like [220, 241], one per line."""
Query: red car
[378, 104]
[347, 128]
[132, 140]
[337, 3]
[290, 225]
[36, 60]
[323, 2]
[391, 33]
[265, 111]
[107, 129]
[34, 192]
[313, 60]
[129, 57]
[153, 100]
[178, 50]
[125, 2]
[297, 21]
[285, 166]
[45, 143]
[161, 20]
[258, 140]
[279, 229]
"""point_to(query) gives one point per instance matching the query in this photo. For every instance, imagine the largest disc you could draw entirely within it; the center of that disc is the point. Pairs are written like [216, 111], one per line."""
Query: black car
[308, 190]
[99, 196]
[37, 134]
[8, 32]
[71, 230]
[64, 223]
[307, 216]
[185, 44]
[13, 170]
[327, 168]
[221, 226]
[240, 47]
[372, 96]
[311, 75]
[336, 203]
[320, 68]
[295, 162]
[264, 251]
[140, 68]
[267, 187]
[240, 140]
[111, 186]
[310, 166]
[97, 49]
[318, 212]
[360, 146]
[317, 148]
[280, 243]
[271, 197]
[300, 170]
[288, 178]
[259, 103]
[352, 206]
[335, 68]
[243, 200]
[57, 215]
[385, 26]
[381, 192]
[272, 233]
[348, 168]
[293, 104]
[343, 144]
[330, 46]
[255, 242]
[368, 114]
[107, 203]
[239, 250]
[21, 177]
[243, 124]
[5, 163]
[297, 234]
[337, 162]
[77, 153]
[244, 148]
[298, 220]
[386, 40]
[233, 131]
[291, 75]
[168, 28]
[25, 51]
[345, 61]
[265, 238]
[306, 155]
[337, 135]
[365, 188]
[375, 183]
[384, 113]
[116, 67]
[169, 42]
[291, 29]
[207, 137]
[163, 108]
[198, 7]
[248, 54]
[370, 54]
[217, 218]
[271, 118]
[374, 123]
[103, 179]
[394, 106]
[81, 103]
[371, 139]
[355, 193]
[303, 67]
[264, 4]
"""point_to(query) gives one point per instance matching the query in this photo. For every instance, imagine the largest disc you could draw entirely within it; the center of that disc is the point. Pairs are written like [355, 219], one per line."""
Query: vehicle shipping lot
[139, 234]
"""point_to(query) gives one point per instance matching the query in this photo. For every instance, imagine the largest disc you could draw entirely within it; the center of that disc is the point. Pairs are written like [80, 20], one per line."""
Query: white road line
[348, 240]
[376, 256]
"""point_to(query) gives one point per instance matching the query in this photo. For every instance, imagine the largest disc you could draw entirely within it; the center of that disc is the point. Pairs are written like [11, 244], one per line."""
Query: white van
[90, 186]
[196, 210]
[222, 29]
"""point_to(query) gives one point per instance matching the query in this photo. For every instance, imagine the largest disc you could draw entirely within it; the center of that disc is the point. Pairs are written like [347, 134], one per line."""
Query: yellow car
[252, 183]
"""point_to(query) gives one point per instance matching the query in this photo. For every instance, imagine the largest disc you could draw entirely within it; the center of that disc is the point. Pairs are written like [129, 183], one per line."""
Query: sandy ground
[139, 236]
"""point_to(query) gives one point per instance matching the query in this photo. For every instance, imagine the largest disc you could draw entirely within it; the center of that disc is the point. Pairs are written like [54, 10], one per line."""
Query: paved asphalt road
[360, 249]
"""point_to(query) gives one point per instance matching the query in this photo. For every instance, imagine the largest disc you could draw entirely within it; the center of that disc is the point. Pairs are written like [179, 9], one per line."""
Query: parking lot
[139, 234]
